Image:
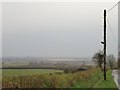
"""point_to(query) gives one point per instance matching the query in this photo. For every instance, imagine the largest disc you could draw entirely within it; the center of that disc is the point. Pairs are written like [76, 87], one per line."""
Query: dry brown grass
[48, 80]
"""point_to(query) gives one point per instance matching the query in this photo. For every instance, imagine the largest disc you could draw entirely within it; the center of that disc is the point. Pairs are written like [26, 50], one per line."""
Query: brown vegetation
[48, 80]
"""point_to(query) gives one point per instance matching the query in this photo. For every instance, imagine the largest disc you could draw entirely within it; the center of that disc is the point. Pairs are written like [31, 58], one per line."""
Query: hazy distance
[56, 29]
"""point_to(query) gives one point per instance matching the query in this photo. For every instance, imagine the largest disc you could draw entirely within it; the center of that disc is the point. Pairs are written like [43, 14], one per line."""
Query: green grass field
[28, 78]
[97, 81]
[109, 83]
[24, 72]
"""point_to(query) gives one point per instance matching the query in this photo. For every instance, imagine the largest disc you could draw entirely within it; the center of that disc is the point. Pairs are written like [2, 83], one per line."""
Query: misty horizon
[55, 29]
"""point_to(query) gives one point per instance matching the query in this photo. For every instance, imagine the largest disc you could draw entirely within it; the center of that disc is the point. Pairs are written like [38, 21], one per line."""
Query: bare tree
[98, 59]
[111, 61]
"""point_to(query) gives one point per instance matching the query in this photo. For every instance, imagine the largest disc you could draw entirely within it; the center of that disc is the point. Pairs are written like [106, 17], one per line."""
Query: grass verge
[97, 81]
[109, 83]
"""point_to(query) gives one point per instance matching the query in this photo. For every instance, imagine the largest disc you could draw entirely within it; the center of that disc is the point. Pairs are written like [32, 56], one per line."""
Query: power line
[113, 7]
[111, 30]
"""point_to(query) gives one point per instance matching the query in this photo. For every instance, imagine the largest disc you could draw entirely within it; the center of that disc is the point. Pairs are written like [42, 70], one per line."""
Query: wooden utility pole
[104, 45]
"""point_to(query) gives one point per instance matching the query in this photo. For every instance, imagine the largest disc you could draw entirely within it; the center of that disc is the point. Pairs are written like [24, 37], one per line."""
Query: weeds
[62, 80]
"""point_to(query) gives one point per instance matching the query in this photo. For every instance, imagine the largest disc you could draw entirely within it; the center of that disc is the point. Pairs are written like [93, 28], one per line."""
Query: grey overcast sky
[56, 29]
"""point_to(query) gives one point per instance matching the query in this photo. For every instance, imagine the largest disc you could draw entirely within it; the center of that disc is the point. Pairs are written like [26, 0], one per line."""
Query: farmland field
[24, 72]
[27, 78]
[49, 80]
